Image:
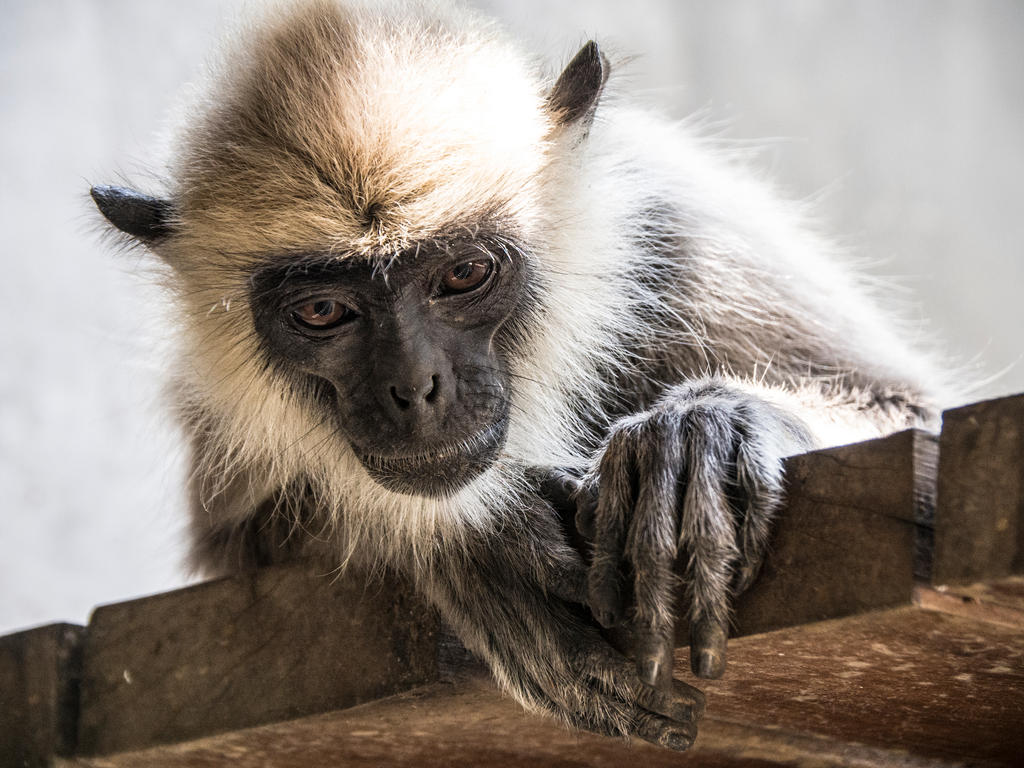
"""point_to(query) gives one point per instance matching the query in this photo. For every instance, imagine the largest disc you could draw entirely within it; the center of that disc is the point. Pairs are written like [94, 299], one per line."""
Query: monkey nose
[406, 395]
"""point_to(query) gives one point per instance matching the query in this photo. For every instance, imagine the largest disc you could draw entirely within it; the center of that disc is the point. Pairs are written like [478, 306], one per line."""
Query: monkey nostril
[434, 389]
[402, 403]
[406, 397]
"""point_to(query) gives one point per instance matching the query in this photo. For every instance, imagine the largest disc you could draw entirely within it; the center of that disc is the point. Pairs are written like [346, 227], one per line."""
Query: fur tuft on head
[360, 129]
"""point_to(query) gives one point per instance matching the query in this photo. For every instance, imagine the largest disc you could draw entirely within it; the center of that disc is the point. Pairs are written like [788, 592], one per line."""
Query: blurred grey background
[904, 121]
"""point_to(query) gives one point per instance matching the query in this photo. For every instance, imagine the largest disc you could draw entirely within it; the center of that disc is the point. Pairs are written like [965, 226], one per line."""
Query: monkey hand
[519, 609]
[694, 479]
[600, 691]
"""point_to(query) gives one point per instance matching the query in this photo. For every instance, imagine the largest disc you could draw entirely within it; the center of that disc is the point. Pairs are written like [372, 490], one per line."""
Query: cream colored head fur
[360, 129]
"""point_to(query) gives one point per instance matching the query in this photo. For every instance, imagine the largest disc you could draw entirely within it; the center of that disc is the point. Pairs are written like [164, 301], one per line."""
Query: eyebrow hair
[301, 263]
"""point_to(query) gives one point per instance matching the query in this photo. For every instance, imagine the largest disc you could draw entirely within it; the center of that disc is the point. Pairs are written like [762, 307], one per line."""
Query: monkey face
[409, 359]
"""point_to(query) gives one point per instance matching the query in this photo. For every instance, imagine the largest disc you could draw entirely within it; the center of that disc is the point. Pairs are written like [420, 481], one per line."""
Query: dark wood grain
[853, 533]
[936, 686]
[902, 687]
[277, 644]
[39, 671]
[979, 522]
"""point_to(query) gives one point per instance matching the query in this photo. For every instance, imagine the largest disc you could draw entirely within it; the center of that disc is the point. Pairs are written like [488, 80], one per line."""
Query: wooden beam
[979, 520]
[39, 672]
[851, 537]
[902, 687]
[261, 647]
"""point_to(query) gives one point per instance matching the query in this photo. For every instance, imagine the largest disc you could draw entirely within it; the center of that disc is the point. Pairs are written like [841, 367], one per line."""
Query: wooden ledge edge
[956, 602]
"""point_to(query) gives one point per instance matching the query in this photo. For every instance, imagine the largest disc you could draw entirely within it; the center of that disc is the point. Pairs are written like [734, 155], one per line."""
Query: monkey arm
[513, 595]
[699, 474]
[500, 593]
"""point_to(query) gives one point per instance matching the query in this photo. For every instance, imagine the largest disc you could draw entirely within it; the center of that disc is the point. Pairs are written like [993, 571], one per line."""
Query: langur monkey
[428, 296]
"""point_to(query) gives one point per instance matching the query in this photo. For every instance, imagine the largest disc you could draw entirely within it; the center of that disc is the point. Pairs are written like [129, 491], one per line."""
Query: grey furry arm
[501, 593]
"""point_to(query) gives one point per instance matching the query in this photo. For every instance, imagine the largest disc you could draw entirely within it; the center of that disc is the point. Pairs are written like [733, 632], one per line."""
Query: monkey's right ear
[141, 216]
[574, 97]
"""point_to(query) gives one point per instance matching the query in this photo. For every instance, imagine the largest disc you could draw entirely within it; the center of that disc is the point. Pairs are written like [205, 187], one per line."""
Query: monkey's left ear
[145, 218]
[574, 97]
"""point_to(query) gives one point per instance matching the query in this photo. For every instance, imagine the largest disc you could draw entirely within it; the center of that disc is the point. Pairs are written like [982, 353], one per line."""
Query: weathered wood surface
[997, 602]
[283, 642]
[851, 536]
[39, 669]
[902, 687]
[943, 687]
[979, 521]
[469, 724]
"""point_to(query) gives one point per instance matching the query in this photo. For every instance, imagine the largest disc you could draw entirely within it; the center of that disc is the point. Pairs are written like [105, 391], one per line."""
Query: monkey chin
[442, 472]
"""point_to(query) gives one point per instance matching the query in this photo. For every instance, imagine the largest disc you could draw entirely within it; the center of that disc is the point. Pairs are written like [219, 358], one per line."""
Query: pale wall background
[905, 120]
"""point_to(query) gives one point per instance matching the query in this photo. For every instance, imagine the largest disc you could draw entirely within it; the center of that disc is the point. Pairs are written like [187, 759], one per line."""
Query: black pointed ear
[141, 216]
[577, 90]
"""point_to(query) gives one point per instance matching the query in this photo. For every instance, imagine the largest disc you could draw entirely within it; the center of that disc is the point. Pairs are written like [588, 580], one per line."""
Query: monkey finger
[664, 731]
[685, 692]
[605, 584]
[615, 675]
[651, 549]
[679, 701]
[654, 652]
[707, 648]
[709, 534]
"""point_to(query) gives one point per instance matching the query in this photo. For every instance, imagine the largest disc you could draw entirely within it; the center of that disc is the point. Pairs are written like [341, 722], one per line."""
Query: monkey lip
[441, 471]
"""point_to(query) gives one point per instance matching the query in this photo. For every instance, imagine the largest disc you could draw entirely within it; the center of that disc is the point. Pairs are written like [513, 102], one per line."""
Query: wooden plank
[996, 602]
[470, 724]
[979, 521]
[277, 644]
[39, 671]
[850, 537]
[894, 688]
[935, 686]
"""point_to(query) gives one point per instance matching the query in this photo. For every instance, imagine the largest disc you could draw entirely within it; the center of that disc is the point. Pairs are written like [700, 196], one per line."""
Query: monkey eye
[322, 313]
[467, 276]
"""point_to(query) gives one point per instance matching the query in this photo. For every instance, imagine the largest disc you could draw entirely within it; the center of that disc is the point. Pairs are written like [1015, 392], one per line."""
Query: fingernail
[649, 671]
[677, 740]
[708, 664]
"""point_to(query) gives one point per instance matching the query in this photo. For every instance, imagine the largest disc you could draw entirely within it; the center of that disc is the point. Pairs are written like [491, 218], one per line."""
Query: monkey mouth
[441, 471]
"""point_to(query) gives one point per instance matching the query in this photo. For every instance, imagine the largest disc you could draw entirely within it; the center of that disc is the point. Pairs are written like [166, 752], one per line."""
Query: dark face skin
[410, 360]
